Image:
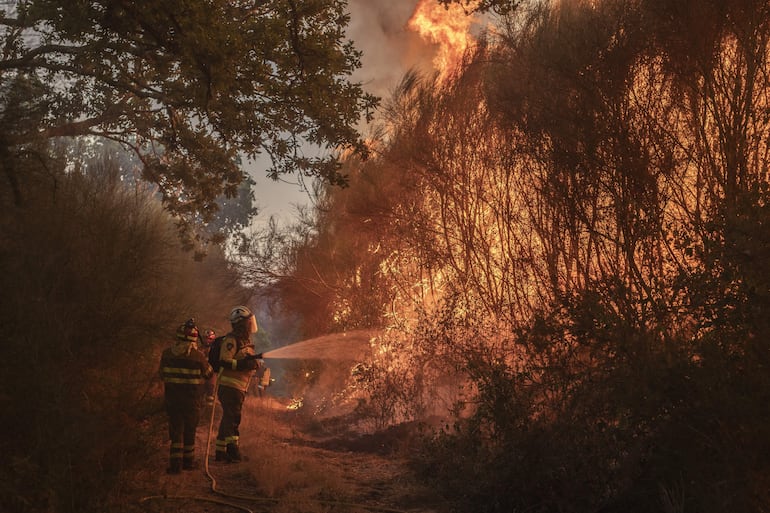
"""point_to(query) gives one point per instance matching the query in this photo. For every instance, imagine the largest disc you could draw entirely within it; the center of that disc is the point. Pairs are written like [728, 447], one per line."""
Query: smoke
[390, 49]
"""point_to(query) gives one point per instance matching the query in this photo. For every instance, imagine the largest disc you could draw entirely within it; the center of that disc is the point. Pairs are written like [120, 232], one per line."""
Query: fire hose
[248, 498]
[208, 473]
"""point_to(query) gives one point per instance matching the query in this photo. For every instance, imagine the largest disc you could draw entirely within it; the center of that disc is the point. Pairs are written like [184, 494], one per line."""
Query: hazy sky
[389, 48]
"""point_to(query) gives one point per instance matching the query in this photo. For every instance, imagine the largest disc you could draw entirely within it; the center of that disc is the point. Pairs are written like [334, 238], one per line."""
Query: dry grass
[281, 468]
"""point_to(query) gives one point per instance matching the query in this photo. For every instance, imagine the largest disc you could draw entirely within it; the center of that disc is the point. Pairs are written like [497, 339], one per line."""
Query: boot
[175, 466]
[190, 464]
[220, 456]
[233, 453]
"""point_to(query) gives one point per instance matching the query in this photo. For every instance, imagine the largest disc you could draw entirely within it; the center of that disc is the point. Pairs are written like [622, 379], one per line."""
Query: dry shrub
[95, 283]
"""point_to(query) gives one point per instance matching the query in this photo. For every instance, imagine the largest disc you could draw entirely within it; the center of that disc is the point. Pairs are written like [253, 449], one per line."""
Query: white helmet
[238, 314]
[241, 314]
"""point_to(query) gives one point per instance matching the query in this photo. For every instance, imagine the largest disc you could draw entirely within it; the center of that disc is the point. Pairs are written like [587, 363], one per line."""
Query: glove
[253, 356]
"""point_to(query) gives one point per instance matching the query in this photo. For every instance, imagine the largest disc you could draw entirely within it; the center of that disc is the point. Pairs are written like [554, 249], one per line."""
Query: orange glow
[448, 28]
[295, 404]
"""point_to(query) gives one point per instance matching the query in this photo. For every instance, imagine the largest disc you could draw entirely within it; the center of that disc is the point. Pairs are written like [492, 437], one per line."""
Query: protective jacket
[238, 362]
[184, 369]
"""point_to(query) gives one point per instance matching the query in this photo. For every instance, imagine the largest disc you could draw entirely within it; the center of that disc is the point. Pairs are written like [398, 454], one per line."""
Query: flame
[446, 26]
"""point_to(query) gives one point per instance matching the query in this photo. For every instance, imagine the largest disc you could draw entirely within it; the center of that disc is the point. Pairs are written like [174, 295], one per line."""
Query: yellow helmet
[187, 332]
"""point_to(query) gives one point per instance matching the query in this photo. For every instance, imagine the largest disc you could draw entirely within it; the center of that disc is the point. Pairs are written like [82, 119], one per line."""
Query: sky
[379, 29]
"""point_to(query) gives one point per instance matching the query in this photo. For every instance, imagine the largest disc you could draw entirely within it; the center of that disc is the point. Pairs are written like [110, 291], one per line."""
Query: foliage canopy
[189, 86]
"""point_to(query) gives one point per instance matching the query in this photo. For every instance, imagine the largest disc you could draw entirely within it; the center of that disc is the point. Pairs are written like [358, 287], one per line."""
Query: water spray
[349, 346]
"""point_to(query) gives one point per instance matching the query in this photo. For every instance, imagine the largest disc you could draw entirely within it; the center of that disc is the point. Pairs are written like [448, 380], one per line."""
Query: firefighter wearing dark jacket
[237, 364]
[183, 370]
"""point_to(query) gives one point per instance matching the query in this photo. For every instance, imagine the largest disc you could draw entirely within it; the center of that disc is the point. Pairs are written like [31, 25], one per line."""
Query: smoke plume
[389, 47]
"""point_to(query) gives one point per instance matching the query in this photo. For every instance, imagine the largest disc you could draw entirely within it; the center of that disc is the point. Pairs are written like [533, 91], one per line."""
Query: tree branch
[81, 127]
[27, 61]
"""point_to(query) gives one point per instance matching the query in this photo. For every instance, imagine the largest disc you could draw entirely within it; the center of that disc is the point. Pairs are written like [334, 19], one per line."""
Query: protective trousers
[228, 437]
[182, 425]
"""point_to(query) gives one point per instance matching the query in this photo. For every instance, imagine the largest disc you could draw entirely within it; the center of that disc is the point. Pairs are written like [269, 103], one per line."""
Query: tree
[189, 86]
[326, 268]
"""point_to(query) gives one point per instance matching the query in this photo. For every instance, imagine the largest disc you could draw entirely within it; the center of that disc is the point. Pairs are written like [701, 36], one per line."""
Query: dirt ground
[294, 463]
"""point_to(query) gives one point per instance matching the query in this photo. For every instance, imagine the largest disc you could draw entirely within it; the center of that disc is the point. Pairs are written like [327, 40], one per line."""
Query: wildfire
[295, 404]
[446, 26]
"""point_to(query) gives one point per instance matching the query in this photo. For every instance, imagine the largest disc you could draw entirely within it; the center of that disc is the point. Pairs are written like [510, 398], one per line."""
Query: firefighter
[208, 339]
[183, 370]
[237, 364]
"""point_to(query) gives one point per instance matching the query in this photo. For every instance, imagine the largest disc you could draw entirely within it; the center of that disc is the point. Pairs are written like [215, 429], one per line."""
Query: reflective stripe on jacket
[231, 352]
[181, 375]
[183, 369]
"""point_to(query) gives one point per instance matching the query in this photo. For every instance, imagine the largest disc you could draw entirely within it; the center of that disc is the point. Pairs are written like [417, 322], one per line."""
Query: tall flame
[446, 26]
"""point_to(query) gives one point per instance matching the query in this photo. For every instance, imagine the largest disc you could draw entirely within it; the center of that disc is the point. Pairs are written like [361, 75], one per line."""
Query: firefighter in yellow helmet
[183, 370]
[237, 363]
